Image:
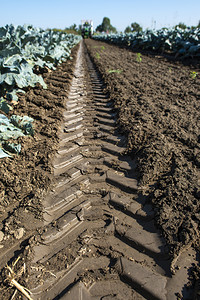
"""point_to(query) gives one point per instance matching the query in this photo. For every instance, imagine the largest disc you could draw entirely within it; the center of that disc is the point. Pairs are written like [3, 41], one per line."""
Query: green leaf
[115, 71]
[24, 123]
[3, 154]
[7, 78]
[12, 147]
[4, 106]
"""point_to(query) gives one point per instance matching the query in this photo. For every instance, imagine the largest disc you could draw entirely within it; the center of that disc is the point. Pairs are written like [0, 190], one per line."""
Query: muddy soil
[157, 101]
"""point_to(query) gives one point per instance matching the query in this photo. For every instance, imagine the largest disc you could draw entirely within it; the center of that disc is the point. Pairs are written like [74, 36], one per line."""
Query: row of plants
[24, 52]
[180, 42]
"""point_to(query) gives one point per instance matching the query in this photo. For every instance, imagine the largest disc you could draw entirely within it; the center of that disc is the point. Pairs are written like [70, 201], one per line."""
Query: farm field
[158, 108]
[106, 192]
[25, 178]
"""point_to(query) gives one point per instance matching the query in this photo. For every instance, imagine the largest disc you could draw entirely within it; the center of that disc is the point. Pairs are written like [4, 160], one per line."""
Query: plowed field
[103, 200]
[158, 108]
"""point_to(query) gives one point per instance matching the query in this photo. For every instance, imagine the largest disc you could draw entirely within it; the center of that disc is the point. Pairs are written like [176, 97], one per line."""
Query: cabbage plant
[180, 42]
[24, 49]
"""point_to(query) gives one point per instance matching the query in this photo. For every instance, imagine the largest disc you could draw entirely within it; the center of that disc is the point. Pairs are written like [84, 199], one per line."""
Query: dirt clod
[1, 236]
[18, 234]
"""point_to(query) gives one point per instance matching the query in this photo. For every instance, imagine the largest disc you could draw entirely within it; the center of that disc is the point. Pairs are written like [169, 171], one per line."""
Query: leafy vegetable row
[181, 42]
[23, 51]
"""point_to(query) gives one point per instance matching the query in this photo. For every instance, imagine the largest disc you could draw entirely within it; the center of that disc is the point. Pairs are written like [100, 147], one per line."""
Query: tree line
[107, 27]
[134, 27]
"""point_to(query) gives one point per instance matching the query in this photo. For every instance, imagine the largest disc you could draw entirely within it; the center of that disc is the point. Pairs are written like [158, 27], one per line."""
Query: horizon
[62, 14]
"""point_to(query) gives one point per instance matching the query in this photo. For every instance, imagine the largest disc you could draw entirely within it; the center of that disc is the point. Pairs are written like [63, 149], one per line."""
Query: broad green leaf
[4, 106]
[3, 154]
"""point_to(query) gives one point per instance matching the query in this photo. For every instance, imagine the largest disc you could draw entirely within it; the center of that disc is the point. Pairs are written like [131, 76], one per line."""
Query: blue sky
[63, 13]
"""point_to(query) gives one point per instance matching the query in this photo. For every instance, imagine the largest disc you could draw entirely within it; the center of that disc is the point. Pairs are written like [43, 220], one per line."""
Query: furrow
[99, 240]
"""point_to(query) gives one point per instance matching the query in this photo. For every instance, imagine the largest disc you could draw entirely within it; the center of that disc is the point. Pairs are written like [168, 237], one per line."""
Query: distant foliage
[181, 42]
[181, 25]
[106, 26]
[74, 29]
[127, 30]
[135, 27]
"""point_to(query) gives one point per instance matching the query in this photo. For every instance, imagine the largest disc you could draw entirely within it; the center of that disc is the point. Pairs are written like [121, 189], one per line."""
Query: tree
[136, 27]
[128, 29]
[181, 25]
[73, 27]
[106, 26]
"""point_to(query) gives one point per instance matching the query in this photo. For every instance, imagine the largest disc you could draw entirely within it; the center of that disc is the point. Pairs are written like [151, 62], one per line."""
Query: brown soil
[158, 108]
[25, 178]
[157, 105]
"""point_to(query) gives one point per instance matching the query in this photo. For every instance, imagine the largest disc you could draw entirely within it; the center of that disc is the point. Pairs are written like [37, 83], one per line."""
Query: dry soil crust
[157, 101]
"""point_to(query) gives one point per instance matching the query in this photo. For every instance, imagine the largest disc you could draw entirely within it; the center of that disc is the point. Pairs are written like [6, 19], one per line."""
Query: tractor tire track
[98, 239]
